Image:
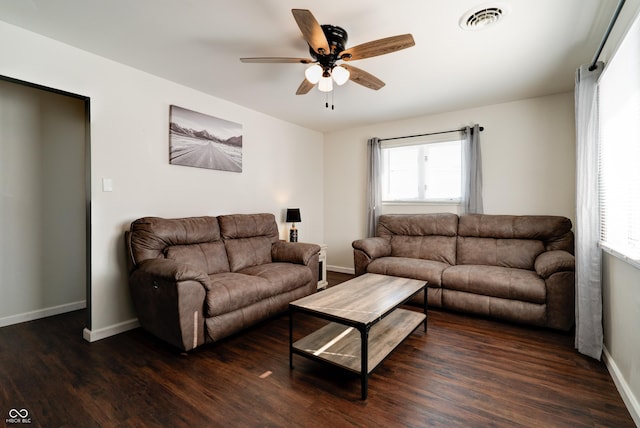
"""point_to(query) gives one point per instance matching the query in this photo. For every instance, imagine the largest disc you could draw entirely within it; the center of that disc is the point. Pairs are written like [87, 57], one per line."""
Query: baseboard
[42, 313]
[112, 330]
[341, 269]
[623, 387]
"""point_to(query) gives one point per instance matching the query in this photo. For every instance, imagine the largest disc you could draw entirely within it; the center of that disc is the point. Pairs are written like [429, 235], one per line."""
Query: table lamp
[293, 217]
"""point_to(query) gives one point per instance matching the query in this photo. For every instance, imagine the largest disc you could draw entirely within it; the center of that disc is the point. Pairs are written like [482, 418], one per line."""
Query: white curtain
[589, 335]
[374, 192]
[471, 172]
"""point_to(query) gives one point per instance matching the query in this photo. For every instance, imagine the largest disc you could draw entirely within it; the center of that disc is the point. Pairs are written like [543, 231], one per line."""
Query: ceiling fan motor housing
[337, 39]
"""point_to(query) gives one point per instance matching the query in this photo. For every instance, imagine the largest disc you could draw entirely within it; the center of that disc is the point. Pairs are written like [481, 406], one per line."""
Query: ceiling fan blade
[378, 47]
[275, 59]
[363, 78]
[311, 31]
[304, 87]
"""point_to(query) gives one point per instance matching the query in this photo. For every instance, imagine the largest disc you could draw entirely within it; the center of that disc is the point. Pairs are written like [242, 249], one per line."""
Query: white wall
[282, 163]
[621, 319]
[528, 156]
[42, 182]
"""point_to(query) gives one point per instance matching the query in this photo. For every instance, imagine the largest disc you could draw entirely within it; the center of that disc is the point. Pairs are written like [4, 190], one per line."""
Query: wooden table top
[364, 299]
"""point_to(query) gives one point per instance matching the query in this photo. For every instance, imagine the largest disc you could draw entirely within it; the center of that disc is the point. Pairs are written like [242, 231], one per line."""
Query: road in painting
[203, 141]
[190, 151]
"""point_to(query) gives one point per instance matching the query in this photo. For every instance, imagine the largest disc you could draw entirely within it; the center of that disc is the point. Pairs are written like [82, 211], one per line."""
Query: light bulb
[325, 84]
[313, 73]
[340, 75]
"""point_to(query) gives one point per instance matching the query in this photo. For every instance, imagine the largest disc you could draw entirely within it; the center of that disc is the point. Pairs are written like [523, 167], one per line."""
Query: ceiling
[533, 51]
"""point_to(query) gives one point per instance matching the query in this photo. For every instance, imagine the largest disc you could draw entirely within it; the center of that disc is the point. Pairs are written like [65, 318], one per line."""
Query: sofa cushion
[495, 281]
[209, 257]
[445, 224]
[426, 270]
[229, 291]
[424, 236]
[248, 238]
[235, 226]
[233, 290]
[513, 253]
[150, 236]
[554, 231]
[439, 248]
[511, 226]
[247, 252]
[282, 277]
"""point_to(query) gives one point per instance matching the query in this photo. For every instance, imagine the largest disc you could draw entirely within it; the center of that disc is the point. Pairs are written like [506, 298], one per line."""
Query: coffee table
[366, 323]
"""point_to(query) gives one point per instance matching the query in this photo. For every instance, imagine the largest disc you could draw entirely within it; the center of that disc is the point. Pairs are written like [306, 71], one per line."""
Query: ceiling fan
[327, 47]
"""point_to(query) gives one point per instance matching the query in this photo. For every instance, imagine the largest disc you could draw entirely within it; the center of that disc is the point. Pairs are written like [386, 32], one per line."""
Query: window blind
[428, 169]
[619, 151]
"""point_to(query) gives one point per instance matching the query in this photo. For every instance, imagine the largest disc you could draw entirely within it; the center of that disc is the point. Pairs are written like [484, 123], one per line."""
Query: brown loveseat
[197, 280]
[516, 268]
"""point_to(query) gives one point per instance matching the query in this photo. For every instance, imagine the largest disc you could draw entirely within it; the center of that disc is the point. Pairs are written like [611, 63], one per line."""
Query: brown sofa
[197, 280]
[516, 268]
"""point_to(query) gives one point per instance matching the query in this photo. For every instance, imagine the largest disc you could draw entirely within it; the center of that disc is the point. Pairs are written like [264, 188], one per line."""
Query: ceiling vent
[483, 17]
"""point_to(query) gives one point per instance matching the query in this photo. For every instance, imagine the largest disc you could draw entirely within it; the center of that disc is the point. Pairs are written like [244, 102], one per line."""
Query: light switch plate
[107, 185]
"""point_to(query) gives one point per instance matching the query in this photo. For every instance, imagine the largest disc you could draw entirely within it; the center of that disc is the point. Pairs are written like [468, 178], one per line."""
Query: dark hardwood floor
[464, 372]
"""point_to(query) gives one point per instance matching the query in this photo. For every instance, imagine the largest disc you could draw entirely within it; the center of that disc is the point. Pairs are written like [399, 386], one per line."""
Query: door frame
[87, 169]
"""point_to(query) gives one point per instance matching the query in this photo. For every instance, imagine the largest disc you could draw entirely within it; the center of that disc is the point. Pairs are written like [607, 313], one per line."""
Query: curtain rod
[614, 18]
[431, 133]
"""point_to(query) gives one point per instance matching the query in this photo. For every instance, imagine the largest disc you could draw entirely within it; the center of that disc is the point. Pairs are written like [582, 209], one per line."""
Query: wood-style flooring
[464, 372]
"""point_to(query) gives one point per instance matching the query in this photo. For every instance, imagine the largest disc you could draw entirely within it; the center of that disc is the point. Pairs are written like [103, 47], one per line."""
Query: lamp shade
[325, 84]
[340, 75]
[313, 73]
[293, 215]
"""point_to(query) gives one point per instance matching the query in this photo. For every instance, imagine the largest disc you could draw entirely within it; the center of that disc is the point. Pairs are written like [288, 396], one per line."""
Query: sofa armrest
[170, 270]
[550, 262]
[366, 250]
[373, 247]
[169, 299]
[299, 253]
[294, 252]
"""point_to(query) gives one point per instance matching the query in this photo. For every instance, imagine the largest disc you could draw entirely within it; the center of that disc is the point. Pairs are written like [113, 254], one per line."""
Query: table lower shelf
[341, 345]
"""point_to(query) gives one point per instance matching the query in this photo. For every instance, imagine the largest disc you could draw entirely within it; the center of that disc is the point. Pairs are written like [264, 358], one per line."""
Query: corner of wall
[112, 330]
[630, 400]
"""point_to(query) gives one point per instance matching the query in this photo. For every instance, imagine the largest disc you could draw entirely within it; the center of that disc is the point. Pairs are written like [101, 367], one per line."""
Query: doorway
[44, 204]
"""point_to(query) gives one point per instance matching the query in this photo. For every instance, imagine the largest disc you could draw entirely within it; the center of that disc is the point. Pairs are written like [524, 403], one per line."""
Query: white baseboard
[42, 313]
[341, 269]
[112, 330]
[625, 392]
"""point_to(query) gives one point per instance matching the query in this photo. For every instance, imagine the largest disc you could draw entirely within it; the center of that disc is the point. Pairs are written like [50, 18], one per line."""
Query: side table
[322, 267]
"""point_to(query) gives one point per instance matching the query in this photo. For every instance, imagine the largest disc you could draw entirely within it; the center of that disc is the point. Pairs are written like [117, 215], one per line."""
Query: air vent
[483, 17]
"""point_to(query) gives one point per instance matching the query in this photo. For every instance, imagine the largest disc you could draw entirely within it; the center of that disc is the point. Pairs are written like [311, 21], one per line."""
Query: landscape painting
[203, 141]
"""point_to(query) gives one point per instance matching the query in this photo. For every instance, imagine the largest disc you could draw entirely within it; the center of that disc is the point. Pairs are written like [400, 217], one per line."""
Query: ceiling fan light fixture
[325, 84]
[313, 73]
[340, 75]
[327, 45]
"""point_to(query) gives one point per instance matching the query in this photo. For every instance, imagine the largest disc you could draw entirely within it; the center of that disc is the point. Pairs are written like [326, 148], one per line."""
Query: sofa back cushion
[209, 257]
[510, 241]
[248, 238]
[155, 237]
[513, 253]
[421, 236]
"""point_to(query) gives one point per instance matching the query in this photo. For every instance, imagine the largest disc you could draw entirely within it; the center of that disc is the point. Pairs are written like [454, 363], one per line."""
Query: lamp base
[293, 234]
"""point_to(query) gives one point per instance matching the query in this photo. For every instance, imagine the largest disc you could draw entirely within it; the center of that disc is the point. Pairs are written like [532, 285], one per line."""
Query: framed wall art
[202, 141]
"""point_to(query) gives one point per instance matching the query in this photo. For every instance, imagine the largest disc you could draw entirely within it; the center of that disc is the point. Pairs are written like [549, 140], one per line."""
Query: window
[422, 171]
[619, 157]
